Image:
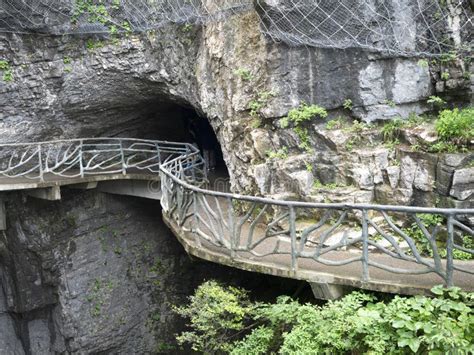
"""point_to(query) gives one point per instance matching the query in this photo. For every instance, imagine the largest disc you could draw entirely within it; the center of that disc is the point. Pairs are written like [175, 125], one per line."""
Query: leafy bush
[223, 320]
[391, 130]
[216, 313]
[303, 113]
[456, 125]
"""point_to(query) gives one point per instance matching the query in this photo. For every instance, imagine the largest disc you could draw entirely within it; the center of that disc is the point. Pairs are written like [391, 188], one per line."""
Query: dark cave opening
[170, 121]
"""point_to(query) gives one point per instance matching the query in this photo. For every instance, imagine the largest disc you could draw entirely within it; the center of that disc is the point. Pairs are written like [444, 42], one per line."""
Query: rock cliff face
[95, 273]
[92, 272]
[88, 274]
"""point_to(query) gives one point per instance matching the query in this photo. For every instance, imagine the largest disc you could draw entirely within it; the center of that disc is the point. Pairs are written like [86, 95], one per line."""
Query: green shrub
[436, 101]
[455, 125]
[391, 130]
[222, 319]
[303, 113]
[215, 313]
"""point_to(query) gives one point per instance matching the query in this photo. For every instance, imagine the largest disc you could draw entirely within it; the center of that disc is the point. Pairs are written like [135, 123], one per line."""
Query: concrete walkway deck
[313, 271]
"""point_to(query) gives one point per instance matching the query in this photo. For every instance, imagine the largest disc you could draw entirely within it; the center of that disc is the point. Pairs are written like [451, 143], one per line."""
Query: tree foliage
[223, 320]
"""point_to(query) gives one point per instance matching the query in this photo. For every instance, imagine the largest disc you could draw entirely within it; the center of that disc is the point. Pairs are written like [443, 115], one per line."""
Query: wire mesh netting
[406, 27]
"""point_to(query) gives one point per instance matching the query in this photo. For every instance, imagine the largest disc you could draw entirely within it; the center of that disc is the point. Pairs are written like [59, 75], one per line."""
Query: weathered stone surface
[463, 184]
[393, 175]
[421, 135]
[262, 142]
[93, 273]
[262, 175]
[305, 180]
[147, 86]
[10, 342]
[444, 178]
[418, 171]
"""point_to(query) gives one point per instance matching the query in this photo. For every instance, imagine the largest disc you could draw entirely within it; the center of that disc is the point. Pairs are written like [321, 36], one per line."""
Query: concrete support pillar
[327, 291]
[47, 193]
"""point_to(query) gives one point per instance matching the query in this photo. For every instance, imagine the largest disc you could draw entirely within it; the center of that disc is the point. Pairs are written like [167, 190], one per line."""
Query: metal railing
[81, 157]
[394, 239]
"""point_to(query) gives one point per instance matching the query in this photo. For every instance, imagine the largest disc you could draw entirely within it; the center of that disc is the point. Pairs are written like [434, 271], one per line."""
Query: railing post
[81, 164]
[195, 221]
[449, 253]
[40, 162]
[294, 256]
[365, 246]
[122, 154]
[233, 238]
[158, 153]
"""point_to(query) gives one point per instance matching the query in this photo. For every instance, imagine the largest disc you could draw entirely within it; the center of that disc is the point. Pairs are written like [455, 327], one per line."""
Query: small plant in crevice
[358, 127]
[445, 76]
[92, 44]
[423, 63]
[336, 123]
[298, 117]
[390, 103]
[303, 136]
[447, 58]
[281, 153]
[244, 74]
[391, 130]
[304, 113]
[186, 28]
[259, 102]
[99, 12]
[436, 101]
[347, 104]
[98, 294]
[7, 71]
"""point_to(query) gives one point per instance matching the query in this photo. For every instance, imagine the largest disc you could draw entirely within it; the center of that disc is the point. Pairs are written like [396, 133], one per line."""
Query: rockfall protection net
[400, 27]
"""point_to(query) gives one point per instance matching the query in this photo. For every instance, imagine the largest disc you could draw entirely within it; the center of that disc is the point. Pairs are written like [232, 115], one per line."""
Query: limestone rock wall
[88, 273]
[70, 86]
[96, 273]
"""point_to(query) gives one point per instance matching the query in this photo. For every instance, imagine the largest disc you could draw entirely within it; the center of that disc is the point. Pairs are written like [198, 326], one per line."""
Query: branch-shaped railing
[366, 238]
[82, 157]
[295, 235]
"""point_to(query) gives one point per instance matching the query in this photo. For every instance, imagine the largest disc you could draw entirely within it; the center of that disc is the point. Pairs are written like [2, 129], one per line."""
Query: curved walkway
[364, 246]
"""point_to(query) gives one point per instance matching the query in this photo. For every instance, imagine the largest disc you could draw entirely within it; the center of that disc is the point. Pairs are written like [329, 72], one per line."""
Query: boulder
[463, 184]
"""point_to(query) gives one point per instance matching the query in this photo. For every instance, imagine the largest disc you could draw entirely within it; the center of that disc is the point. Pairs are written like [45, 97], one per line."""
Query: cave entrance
[178, 123]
